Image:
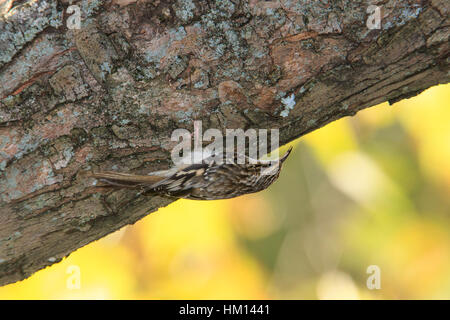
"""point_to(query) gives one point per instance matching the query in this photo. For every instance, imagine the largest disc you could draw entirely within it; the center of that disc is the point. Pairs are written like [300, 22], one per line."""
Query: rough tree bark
[108, 96]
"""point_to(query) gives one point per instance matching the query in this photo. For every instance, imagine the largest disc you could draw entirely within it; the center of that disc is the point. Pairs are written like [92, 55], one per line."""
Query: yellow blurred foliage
[369, 190]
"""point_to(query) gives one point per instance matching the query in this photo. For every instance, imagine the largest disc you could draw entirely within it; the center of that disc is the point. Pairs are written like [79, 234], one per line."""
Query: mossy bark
[107, 96]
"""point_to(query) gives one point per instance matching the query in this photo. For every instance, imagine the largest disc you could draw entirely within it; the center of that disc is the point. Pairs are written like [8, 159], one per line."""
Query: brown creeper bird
[208, 180]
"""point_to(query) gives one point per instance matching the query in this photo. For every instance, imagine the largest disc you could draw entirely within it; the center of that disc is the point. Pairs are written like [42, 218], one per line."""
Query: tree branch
[109, 95]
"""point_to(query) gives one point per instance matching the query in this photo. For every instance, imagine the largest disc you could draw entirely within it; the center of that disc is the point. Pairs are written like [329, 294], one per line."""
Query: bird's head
[270, 170]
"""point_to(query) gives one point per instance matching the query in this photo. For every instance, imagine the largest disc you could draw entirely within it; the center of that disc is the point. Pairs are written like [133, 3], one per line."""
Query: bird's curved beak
[284, 157]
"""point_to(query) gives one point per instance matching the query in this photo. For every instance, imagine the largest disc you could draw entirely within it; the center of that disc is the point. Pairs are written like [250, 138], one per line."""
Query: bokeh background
[373, 189]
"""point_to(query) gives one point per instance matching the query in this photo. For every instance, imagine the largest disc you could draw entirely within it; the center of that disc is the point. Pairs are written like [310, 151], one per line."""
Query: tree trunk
[107, 96]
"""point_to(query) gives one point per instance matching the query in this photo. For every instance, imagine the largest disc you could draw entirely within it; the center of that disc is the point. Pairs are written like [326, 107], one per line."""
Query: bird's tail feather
[125, 180]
